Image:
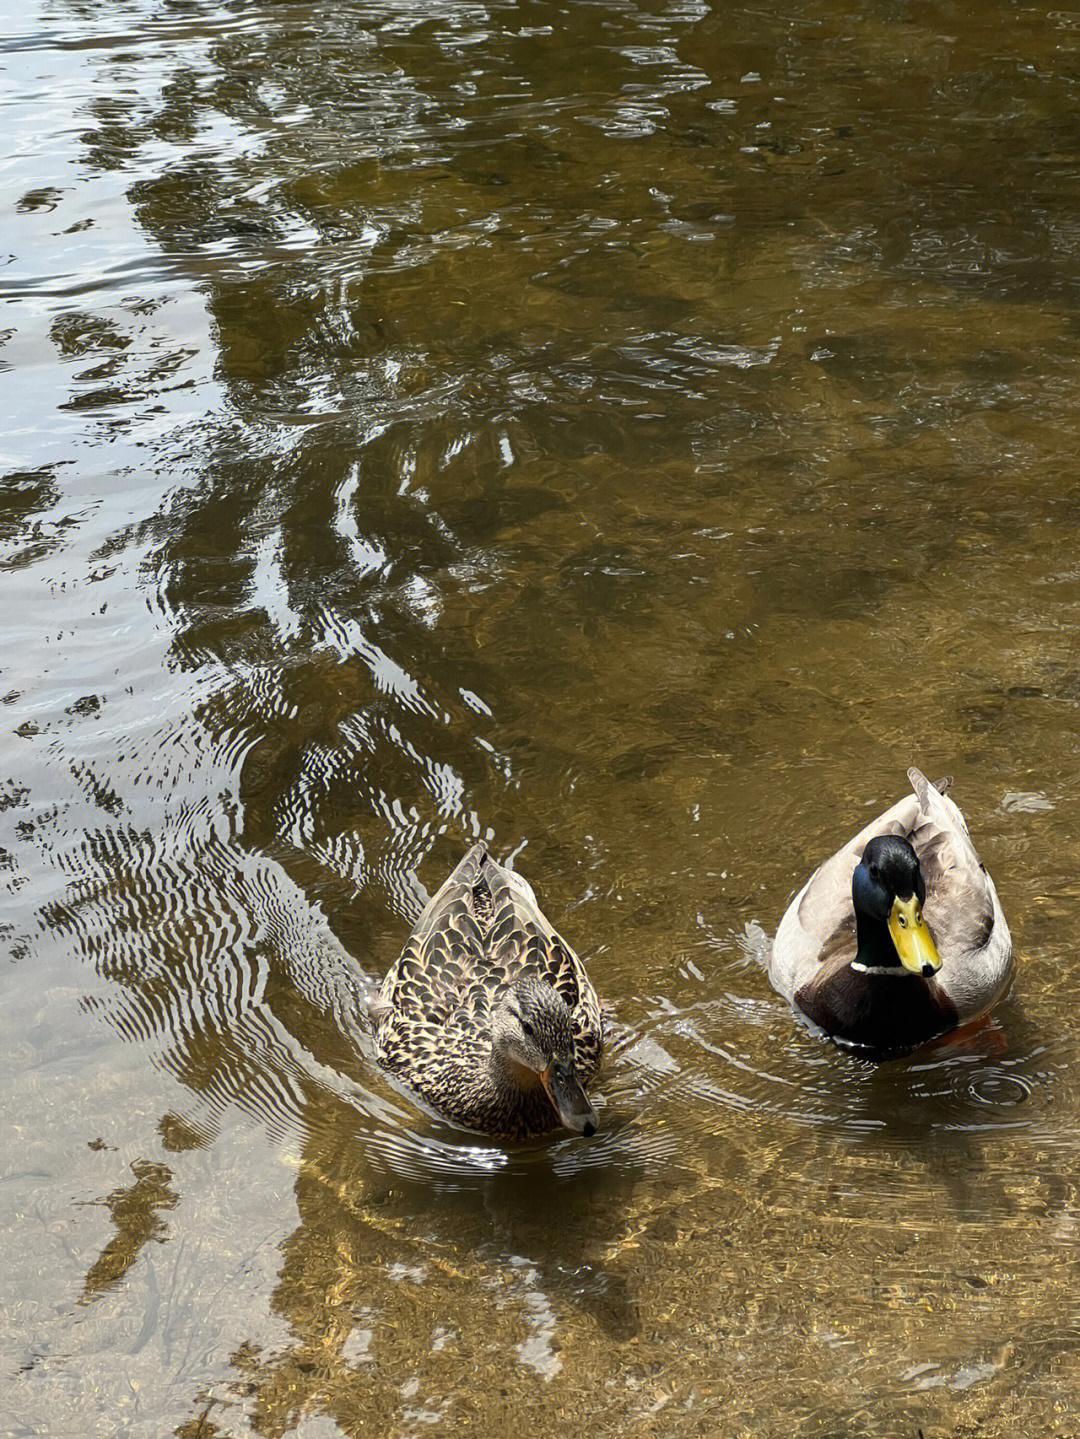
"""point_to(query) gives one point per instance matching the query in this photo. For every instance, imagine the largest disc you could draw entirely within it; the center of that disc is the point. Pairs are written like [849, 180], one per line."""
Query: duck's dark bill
[570, 1100]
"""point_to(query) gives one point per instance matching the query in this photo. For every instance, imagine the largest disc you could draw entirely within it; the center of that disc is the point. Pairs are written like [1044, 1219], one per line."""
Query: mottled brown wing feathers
[479, 932]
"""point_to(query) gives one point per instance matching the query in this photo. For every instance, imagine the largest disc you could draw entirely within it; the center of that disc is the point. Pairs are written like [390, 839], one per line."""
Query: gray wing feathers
[962, 909]
[824, 906]
[959, 894]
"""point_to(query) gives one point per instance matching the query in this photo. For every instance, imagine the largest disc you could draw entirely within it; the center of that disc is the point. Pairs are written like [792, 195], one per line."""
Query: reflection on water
[134, 1212]
[628, 433]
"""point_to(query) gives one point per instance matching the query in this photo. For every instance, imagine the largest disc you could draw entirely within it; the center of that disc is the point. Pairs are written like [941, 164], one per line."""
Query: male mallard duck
[854, 952]
[488, 1014]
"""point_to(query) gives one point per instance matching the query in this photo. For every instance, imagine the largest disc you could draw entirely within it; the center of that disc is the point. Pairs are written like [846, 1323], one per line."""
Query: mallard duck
[488, 1014]
[900, 935]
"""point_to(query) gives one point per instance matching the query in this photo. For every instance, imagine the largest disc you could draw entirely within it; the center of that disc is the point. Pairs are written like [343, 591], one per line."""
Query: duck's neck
[875, 952]
[512, 1099]
[509, 1077]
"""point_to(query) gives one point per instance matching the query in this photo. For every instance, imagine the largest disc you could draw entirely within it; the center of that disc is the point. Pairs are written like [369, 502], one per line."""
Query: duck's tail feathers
[923, 788]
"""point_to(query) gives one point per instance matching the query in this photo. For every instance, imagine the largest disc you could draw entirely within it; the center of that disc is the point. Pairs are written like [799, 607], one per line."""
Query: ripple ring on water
[1003, 1091]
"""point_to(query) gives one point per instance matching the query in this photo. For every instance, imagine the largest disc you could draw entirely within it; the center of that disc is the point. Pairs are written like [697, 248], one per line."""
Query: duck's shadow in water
[954, 1107]
[550, 1219]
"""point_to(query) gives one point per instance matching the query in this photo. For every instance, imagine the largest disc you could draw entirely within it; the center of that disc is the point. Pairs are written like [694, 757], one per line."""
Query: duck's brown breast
[885, 1013]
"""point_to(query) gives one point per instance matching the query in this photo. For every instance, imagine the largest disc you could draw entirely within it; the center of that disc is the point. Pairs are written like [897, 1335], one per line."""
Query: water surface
[632, 434]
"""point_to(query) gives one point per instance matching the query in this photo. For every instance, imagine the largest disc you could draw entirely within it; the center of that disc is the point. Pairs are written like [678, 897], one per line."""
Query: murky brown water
[631, 432]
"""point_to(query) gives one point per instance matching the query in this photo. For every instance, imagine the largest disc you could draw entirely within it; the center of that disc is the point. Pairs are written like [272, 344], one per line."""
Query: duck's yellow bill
[914, 942]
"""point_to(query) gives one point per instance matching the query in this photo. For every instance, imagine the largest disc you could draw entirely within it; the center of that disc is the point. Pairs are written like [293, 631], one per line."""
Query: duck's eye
[872, 872]
[527, 1030]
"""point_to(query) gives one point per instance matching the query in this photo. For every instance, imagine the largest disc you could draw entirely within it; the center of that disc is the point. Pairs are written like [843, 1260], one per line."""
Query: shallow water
[629, 433]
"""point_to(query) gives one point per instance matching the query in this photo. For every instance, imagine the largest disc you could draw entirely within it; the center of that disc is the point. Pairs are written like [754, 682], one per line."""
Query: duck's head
[532, 1029]
[888, 888]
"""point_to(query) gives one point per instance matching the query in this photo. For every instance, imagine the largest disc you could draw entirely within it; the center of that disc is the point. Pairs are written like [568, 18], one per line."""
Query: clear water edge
[629, 434]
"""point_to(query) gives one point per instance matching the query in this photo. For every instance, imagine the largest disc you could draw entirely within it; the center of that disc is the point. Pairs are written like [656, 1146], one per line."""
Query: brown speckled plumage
[479, 934]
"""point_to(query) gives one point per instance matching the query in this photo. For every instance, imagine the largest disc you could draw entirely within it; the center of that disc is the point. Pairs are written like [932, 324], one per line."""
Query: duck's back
[817, 932]
[478, 933]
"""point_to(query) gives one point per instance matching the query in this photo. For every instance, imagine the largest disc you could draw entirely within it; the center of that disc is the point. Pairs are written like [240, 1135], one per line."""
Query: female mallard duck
[488, 1014]
[854, 952]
